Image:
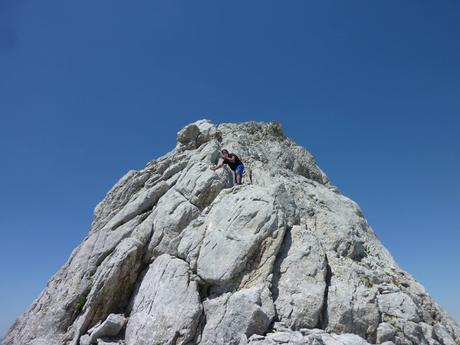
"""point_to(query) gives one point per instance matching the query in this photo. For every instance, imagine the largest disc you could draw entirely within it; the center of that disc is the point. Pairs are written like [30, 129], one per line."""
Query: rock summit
[176, 255]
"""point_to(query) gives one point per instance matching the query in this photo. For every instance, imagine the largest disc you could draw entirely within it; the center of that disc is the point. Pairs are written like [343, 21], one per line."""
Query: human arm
[231, 157]
[220, 164]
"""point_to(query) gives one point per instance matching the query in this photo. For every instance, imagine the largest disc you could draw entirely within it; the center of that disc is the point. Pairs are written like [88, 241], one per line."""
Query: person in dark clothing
[234, 163]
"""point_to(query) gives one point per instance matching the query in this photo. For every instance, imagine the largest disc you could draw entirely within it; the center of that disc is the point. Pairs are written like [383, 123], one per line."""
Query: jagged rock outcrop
[176, 256]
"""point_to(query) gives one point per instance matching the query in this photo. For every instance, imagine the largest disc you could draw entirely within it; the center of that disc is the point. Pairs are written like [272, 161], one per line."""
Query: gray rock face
[300, 280]
[176, 256]
[306, 336]
[111, 327]
[240, 228]
[166, 296]
[233, 317]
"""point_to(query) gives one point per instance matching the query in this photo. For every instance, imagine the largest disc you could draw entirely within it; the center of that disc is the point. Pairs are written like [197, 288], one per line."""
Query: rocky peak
[175, 255]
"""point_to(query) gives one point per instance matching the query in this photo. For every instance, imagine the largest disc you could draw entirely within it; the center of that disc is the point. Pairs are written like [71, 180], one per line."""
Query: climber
[234, 164]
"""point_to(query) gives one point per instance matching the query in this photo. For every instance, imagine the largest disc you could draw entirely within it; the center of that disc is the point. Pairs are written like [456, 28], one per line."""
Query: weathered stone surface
[236, 229]
[143, 201]
[234, 243]
[109, 328]
[300, 279]
[246, 312]
[172, 214]
[113, 284]
[309, 337]
[85, 339]
[199, 184]
[195, 134]
[188, 136]
[286, 259]
[109, 342]
[118, 197]
[167, 306]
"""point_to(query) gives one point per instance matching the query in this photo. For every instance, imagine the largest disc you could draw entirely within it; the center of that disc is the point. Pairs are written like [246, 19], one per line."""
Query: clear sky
[91, 89]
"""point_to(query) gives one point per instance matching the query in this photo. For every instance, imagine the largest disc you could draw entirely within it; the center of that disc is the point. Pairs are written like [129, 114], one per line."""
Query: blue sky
[91, 89]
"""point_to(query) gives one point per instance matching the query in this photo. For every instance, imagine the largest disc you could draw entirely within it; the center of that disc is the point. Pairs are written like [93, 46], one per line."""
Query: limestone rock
[108, 342]
[195, 134]
[109, 328]
[300, 280]
[110, 291]
[246, 312]
[398, 305]
[167, 306]
[307, 337]
[282, 259]
[188, 136]
[238, 228]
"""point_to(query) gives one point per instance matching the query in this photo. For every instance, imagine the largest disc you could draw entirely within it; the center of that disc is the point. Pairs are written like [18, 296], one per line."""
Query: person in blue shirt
[234, 163]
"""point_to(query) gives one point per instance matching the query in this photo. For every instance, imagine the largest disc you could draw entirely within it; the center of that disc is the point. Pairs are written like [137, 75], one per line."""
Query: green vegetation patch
[198, 224]
[81, 301]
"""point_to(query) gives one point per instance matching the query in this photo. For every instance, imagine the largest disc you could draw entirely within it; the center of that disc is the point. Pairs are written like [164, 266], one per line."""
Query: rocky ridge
[175, 256]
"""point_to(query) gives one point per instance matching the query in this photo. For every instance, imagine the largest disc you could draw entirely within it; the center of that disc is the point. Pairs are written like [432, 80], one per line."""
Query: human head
[224, 152]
